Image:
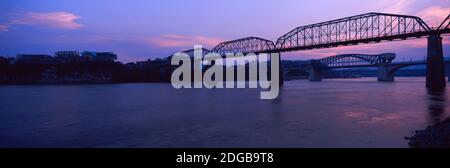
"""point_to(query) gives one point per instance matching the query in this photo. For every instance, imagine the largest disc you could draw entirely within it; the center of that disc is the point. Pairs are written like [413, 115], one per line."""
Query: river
[333, 113]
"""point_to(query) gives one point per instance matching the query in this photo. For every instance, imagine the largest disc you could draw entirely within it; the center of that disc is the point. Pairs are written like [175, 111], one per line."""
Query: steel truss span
[445, 25]
[244, 45]
[352, 60]
[365, 28]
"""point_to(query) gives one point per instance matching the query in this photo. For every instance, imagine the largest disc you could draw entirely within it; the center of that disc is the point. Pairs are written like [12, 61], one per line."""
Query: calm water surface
[331, 113]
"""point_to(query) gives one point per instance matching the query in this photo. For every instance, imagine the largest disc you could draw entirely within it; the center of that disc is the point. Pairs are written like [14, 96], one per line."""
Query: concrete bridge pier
[315, 75]
[385, 74]
[435, 64]
[280, 71]
[447, 71]
[281, 74]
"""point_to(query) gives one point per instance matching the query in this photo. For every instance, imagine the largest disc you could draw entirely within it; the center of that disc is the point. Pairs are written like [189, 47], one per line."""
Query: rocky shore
[434, 136]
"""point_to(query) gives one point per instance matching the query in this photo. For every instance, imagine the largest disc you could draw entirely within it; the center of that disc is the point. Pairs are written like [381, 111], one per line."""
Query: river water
[332, 113]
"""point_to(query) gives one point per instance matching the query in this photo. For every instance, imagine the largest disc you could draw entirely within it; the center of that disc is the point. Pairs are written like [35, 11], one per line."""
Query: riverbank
[435, 136]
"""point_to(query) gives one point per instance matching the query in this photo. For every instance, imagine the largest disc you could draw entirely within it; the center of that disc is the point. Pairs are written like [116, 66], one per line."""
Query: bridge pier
[447, 71]
[435, 64]
[385, 74]
[315, 75]
[280, 71]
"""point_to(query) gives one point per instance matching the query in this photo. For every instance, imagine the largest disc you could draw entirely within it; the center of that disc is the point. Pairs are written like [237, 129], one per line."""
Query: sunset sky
[142, 29]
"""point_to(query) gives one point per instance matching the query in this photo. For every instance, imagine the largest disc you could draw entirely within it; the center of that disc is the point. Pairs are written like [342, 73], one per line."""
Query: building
[33, 59]
[67, 54]
[99, 56]
[68, 57]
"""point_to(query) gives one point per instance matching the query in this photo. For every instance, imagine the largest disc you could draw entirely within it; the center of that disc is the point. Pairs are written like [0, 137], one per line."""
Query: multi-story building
[99, 56]
[68, 56]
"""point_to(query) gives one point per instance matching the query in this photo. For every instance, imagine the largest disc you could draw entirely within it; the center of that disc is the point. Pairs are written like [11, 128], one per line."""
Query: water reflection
[437, 135]
[436, 106]
[279, 99]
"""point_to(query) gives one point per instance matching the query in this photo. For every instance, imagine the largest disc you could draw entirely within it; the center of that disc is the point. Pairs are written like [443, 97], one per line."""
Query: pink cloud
[398, 6]
[3, 28]
[434, 15]
[174, 40]
[59, 20]
[357, 115]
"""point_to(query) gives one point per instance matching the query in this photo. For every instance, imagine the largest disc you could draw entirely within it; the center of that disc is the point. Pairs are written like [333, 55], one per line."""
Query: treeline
[157, 70]
[83, 72]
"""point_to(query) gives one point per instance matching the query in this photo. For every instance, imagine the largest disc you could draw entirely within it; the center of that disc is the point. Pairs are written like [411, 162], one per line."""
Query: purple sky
[142, 29]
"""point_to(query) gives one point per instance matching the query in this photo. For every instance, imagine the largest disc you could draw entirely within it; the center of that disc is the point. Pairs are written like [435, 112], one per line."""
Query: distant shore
[150, 71]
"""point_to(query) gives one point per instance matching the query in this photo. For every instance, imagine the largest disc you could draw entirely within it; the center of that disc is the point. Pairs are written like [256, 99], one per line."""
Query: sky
[138, 30]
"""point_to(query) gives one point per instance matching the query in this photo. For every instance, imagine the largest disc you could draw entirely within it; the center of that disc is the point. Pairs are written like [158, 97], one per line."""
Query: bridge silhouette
[355, 30]
[384, 63]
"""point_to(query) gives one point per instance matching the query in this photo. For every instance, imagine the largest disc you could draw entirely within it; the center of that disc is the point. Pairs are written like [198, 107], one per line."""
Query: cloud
[434, 15]
[3, 28]
[174, 40]
[58, 20]
[397, 6]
